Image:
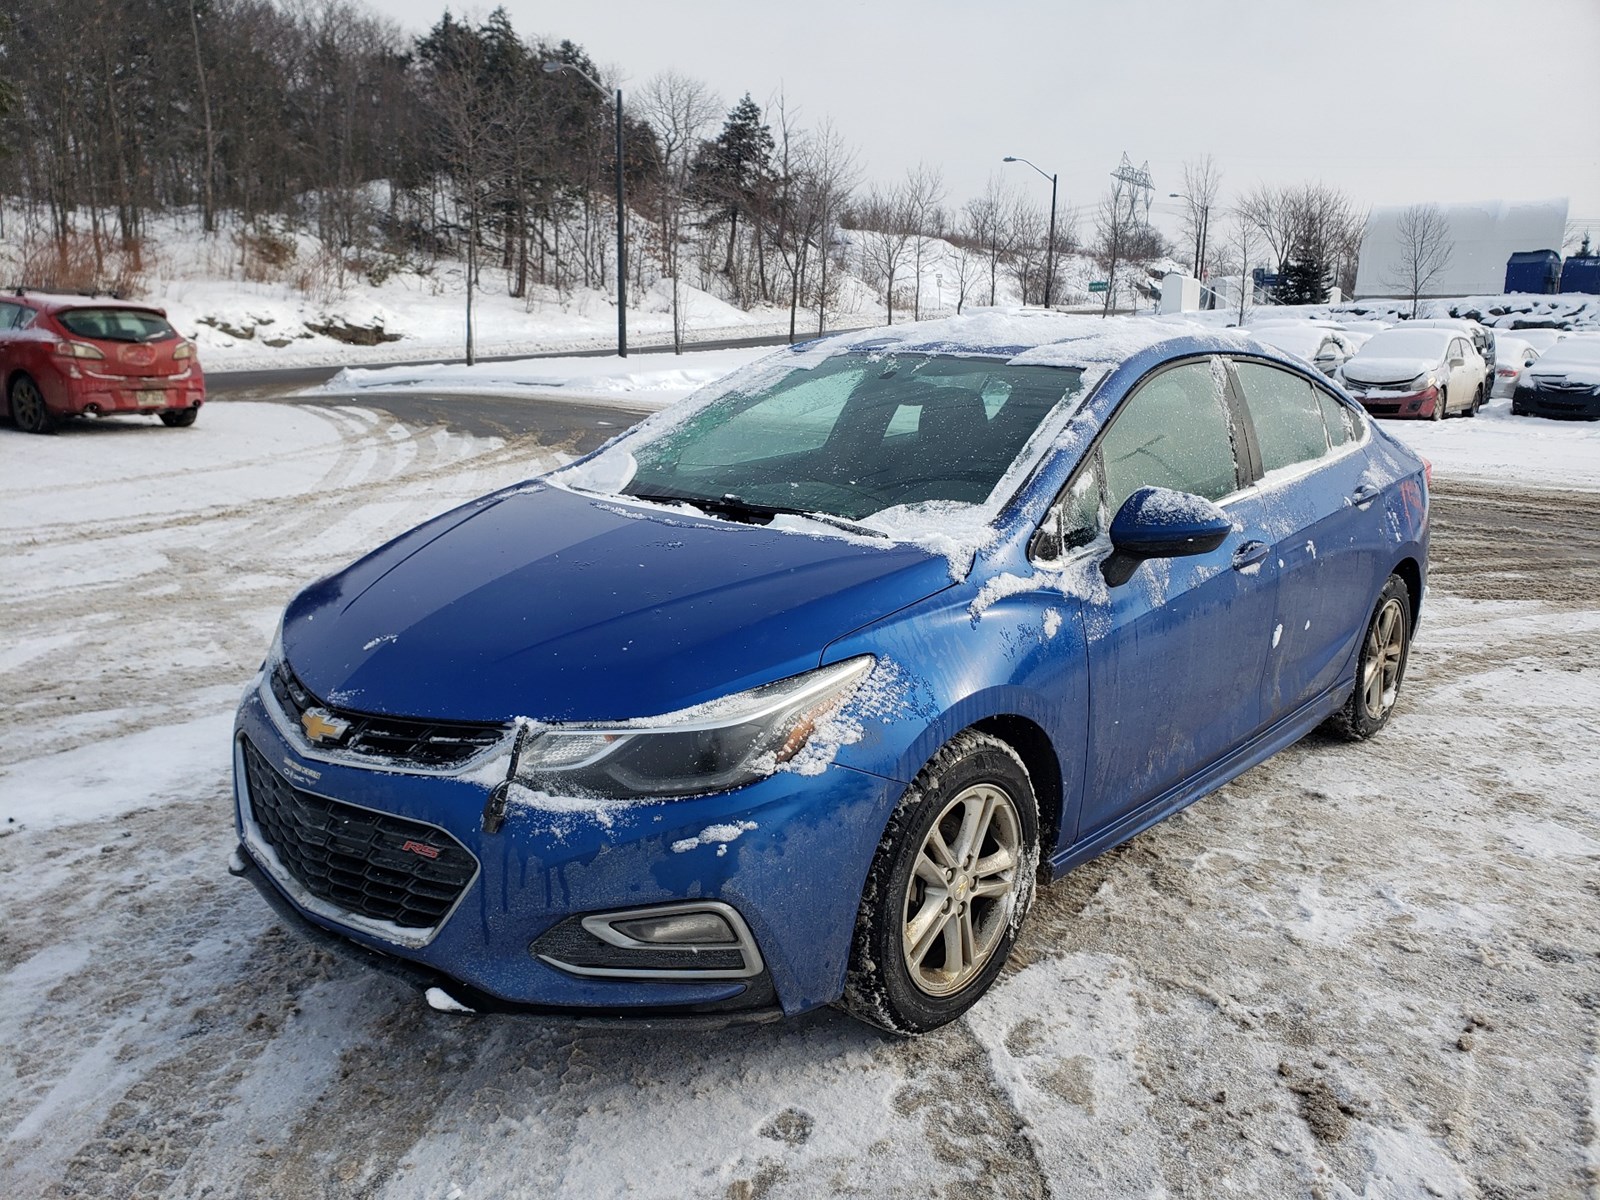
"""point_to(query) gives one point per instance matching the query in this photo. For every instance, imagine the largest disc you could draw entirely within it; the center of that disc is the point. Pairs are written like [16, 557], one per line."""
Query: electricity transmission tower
[1133, 184]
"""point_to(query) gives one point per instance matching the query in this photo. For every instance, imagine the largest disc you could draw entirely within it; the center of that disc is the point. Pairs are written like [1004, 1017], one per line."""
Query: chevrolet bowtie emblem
[322, 726]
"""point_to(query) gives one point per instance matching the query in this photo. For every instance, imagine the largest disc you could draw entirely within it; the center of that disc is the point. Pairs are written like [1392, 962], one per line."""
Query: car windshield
[116, 324]
[854, 435]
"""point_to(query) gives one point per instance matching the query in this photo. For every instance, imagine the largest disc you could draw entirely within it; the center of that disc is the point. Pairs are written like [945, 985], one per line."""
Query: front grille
[379, 866]
[1381, 410]
[402, 740]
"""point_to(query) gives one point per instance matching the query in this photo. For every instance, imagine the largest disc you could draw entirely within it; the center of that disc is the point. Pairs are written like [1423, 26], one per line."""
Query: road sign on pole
[1100, 285]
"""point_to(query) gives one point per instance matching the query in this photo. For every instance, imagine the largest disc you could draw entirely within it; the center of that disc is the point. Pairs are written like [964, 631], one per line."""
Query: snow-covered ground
[1357, 971]
[639, 381]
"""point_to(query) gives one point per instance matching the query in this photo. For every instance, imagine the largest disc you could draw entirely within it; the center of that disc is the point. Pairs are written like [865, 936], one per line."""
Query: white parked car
[1321, 344]
[1412, 372]
[1542, 339]
[1511, 355]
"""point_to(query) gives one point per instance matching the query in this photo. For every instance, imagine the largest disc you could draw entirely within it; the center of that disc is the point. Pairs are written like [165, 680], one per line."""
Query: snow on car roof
[57, 301]
[1025, 337]
[1408, 341]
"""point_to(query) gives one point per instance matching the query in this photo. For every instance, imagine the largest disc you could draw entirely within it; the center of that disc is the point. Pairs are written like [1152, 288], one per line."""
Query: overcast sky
[1396, 101]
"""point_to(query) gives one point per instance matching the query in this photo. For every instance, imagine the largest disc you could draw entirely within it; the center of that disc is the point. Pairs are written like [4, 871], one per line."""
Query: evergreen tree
[732, 169]
[1304, 279]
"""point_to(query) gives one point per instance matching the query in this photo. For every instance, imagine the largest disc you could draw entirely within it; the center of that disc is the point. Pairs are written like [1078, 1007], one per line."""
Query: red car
[71, 356]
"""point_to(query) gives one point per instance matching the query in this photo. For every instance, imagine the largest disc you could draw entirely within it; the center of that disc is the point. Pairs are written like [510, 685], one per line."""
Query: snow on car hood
[542, 603]
[1387, 370]
[1578, 364]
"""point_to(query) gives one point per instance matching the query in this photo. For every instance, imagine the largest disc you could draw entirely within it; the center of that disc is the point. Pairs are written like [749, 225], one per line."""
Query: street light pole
[1050, 249]
[555, 68]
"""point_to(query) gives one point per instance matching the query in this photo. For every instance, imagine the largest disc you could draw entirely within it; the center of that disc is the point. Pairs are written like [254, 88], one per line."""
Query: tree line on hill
[323, 117]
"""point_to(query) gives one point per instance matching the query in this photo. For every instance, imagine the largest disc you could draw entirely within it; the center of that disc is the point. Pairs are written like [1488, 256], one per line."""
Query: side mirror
[1161, 523]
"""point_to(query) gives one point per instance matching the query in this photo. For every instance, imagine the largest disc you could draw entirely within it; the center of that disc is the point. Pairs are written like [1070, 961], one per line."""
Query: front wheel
[1381, 667]
[28, 409]
[1441, 404]
[949, 886]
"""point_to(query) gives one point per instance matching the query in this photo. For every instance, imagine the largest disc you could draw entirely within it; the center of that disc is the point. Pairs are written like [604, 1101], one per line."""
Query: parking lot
[1358, 970]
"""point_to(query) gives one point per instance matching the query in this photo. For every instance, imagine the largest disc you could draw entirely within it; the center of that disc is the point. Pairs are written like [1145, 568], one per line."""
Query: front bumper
[1571, 404]
[1397, 404]
[792, 865]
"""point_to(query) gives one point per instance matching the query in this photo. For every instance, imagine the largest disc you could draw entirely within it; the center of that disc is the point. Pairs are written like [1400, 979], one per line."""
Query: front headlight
[711, 747]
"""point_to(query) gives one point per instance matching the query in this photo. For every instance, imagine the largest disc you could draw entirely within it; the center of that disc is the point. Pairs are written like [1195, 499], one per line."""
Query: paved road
[256, 385]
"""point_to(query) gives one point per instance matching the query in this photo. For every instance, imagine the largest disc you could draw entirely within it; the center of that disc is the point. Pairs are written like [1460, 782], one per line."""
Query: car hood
[1386, 370]
[543, 603]
[1577, 372]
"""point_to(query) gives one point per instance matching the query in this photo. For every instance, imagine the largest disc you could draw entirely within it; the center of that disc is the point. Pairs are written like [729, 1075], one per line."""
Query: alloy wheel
[1386, 647]
[28, 408]
[962, 891]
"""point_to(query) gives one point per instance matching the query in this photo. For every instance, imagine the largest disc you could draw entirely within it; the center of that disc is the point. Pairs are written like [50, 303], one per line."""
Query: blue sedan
[789, 695]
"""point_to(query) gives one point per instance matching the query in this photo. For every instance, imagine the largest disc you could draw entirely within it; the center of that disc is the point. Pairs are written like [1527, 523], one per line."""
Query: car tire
[1441, 405]
[1477, 403]
[927, 945]
[1381, 665]
[29, 412]
[179, 418]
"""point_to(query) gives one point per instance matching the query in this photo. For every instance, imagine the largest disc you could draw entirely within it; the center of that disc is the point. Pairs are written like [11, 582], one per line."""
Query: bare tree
[829, 176]
[990, 222]
[886, 232]
[1244, 241]
[1425, 250]
[1202, 180]
[471, 120]
[680, 110]
[1120, 238]
[1310, 222]
[923, 192]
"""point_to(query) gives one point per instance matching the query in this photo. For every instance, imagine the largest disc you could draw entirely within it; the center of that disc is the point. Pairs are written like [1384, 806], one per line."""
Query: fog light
[691, 939]
[695, 927]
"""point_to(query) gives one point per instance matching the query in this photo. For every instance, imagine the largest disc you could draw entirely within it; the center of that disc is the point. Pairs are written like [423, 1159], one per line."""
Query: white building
[1483, 236]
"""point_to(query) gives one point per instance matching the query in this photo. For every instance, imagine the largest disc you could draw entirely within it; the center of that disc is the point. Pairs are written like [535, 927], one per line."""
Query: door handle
[1364, 495]
[1249, 553]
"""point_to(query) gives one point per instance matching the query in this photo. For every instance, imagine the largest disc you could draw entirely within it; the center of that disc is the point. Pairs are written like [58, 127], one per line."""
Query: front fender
[951, 662]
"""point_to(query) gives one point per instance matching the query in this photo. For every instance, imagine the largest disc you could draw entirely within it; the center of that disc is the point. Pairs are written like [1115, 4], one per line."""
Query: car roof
[54, 302]
[1378, 342]
[1033, 337]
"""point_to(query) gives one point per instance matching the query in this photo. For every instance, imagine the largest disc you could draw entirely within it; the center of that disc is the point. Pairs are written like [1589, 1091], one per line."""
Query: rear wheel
[28, 409]
[949, 886]
[179, 418]
[1477, 403]
[1381, 667]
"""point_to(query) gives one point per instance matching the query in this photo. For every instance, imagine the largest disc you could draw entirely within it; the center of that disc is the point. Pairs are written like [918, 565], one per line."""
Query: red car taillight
[183, 350]
[78, 350]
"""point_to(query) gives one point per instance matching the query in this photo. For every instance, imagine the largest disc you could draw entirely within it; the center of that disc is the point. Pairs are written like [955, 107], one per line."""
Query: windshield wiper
[735, 508]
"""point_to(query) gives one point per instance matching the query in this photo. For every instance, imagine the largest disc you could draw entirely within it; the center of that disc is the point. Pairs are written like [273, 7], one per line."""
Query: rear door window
[1286, 413]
